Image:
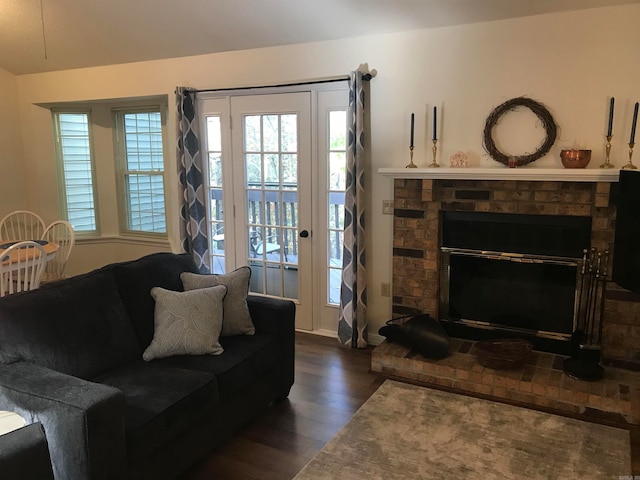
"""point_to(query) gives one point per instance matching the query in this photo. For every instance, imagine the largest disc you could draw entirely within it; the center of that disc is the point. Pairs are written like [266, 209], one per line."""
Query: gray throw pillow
[186, 323]
[236, 318]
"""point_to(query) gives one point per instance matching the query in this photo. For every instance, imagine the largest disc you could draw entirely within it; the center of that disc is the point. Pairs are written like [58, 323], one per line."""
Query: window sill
[124, 239]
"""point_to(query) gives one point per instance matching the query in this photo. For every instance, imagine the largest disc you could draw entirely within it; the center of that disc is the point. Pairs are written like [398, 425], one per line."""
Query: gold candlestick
[607, 147]
[630, 165]
[411, 164]
[434, 150]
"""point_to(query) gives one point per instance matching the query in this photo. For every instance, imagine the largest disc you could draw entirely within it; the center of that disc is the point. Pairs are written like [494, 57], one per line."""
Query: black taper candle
[412, 123]
[633, 124]
[610, 117]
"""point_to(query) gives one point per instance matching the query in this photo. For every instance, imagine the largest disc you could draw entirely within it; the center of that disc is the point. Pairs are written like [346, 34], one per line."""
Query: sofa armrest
[83, 421]
[272, 315]
[276, 316]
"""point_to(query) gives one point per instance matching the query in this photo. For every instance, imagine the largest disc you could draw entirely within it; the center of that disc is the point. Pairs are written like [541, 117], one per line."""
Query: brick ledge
[540, 383]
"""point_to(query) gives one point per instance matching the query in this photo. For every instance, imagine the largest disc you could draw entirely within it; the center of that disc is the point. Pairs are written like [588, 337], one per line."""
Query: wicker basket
[503, 354]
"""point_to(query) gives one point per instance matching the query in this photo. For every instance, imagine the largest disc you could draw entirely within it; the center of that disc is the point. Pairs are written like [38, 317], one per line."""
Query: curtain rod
[365, 76]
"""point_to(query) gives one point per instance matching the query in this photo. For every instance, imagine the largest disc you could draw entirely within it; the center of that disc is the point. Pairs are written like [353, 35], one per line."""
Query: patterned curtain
[193, 211]
[352, 325]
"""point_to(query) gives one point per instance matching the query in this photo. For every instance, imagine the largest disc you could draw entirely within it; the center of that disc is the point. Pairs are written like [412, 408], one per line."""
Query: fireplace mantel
[521, 173]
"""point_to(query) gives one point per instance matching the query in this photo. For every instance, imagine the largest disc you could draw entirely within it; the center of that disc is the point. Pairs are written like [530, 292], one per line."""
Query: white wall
[571, 62]
[13, 193]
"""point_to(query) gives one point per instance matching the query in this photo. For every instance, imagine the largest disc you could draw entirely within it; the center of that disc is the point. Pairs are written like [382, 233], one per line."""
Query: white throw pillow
[236, 318]
[186, 323]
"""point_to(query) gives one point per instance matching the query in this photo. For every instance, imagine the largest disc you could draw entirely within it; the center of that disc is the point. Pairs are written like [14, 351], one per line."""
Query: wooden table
[49, 248]
[10, 421]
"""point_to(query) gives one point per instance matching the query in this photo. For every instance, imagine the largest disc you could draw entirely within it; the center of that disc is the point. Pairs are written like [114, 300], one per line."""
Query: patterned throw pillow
[236, 319]
[186, 323]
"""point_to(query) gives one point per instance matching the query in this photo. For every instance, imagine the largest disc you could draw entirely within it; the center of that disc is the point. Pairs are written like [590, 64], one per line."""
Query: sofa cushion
[160, 402]
[186, 323]
[136, 279]
[236, 320]
[76, 326]
[245, 359]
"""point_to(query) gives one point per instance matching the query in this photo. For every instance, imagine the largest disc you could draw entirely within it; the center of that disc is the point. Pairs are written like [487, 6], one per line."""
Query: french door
[276, 179]
[271, 147]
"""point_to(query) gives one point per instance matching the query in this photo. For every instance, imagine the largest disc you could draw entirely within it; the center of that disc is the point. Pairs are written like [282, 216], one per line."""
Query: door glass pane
[214, 132]
[252, 132]
[289, 170]
[335, 279]
[289, 133]
[337, 171]
[272, 203]
[270, 133]
[272, 208]
[337, 130]
[253, 167]
[336, 211]
[215, 169]
[272, 170]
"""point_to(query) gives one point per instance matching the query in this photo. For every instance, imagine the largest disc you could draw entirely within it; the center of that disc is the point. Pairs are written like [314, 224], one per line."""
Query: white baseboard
[374, 338]
[321, 332]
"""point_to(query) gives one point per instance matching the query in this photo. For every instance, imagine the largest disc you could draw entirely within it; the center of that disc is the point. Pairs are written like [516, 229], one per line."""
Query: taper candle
[412, 120]
[610, 117]
[633, 124]
[435, 122]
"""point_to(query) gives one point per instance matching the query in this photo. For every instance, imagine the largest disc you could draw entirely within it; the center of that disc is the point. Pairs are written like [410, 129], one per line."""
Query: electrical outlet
[385, 289]
[387, 207]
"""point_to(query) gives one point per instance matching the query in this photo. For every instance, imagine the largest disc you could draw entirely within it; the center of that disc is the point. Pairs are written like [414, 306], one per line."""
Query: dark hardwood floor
[331, 383]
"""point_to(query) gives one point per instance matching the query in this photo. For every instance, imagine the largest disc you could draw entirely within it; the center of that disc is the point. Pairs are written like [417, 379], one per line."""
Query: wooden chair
[21, 267]
[21, 225]
[62, 234]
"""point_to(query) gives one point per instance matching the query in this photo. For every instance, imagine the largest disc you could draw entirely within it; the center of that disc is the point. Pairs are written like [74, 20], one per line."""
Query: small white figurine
[459, 160]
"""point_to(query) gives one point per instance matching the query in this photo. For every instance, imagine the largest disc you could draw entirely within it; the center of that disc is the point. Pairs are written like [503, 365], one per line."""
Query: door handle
[304, 233]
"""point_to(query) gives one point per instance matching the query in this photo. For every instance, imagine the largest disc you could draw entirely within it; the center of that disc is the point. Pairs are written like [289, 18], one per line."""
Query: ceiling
[85, 33]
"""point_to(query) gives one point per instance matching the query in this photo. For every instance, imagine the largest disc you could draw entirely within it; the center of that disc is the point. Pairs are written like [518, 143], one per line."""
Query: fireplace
[506, 275]
[419, 236]
[420, 241]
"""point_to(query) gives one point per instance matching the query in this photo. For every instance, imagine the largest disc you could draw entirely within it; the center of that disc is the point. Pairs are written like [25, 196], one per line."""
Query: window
[141, 171]
[75, 162]
[216, 210]
[337, 176]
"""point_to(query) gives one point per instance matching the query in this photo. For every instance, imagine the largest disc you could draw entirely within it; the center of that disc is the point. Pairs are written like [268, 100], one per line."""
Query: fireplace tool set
[584, 364]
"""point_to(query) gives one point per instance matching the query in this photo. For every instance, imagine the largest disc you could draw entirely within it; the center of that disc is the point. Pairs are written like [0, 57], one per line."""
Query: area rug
[408, 432]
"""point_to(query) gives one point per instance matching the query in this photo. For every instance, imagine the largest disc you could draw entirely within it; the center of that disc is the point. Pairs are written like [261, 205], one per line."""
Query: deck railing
[280, 213]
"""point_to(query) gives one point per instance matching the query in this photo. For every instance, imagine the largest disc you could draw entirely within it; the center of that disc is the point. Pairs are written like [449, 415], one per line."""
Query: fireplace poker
[594, 303]
[605, 263]
[580, 327]
[587, 313]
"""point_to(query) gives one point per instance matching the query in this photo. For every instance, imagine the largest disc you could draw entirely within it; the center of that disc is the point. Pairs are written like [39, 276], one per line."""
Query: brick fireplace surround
[541, 383]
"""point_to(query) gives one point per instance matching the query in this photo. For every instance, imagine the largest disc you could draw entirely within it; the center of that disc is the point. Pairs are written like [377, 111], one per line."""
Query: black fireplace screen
[537, 296]
[512, 271]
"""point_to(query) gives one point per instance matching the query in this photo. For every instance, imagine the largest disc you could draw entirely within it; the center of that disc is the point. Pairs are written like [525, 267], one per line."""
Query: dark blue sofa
[71, 358]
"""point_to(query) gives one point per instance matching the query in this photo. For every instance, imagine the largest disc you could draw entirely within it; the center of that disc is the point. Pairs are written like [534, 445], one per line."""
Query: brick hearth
[540, 383]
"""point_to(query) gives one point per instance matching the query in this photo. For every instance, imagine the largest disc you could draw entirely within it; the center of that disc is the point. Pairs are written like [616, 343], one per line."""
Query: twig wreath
[541, 112]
